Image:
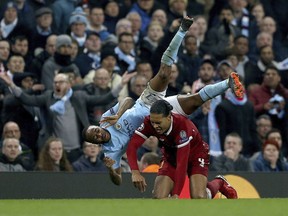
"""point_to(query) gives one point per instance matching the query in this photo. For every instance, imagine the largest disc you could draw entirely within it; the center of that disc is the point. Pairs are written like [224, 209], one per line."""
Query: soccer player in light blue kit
[120, 122]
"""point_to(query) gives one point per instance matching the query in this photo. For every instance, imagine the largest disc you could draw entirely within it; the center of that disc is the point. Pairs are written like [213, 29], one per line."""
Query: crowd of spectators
[90, 49]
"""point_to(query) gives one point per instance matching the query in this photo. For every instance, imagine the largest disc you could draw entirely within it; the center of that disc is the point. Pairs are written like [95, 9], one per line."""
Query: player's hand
[108, 162]
[110, 120]
[138, 181]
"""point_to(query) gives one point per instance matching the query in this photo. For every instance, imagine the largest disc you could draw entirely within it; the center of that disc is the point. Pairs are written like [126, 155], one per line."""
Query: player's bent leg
[162, 187]
[198, 184]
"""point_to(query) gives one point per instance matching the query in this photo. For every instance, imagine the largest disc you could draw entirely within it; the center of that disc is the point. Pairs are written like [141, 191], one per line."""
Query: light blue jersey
[123, 130]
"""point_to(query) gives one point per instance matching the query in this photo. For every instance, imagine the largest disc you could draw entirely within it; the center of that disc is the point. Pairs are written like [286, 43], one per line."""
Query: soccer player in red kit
[184, 152]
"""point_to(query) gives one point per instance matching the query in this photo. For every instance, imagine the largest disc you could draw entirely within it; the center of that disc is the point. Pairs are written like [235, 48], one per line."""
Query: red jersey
[180, 144]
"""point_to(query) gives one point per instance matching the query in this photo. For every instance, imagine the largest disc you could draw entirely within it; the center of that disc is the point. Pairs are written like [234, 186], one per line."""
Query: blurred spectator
[242, 18]
[150, 42]
[136, 24]
[96, 23]
[28, 118]
[258, 12]
[238, 115]
[52, 157]
[4, 54]
[61, 58]
[144, 68]
[224, 69]
[15, 64]
[62, 10]
[43, 28]
[20, 46]
[269, 160]
[26, 13]
[145, 9]
[274, 134]
[122, 26]
[112, 15]
[220, 38]
[264, 125]
[11, 130]
[174, 87]
[40, 58]
[90, 57]
[11, 25]
[203, 27]
[78, 23]
[176, 9]
[75, 49]
[99, 86]
[137, 85]
[125, 51]
[269, 98]
[149, 163]
[108, 60]
[231, 159]
[245, 68]
[266, 39]
[10, 158]
[90, 160]
[160, 16]
[266, 58]
[189, 61]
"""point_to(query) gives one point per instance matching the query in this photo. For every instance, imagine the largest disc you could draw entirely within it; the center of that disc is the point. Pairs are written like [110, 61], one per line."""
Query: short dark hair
[161, 107]
[84, 135]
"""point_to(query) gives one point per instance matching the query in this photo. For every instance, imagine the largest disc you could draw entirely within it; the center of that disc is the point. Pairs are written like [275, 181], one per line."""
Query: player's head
[96, 134]
[160, 116]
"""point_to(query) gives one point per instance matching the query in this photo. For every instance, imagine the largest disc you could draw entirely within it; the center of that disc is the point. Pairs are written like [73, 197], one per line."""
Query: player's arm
[182, 164]
[137, 179]
[115, 174]
[124, 105]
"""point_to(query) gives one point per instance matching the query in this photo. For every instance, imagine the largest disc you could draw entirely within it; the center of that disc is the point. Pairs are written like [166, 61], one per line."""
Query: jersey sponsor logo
[129, 127]
[141, 127]
[183, 136]
[118, 126]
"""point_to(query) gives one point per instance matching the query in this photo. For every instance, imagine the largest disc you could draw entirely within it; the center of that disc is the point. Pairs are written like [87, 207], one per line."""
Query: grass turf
[144, 207]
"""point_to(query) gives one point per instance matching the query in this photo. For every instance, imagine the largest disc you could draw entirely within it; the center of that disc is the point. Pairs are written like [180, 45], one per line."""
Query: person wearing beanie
[61, 58]
[269, 160]
[78, 24]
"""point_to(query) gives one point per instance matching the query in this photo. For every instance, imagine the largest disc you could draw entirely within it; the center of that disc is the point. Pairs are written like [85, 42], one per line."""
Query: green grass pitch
[144, 207]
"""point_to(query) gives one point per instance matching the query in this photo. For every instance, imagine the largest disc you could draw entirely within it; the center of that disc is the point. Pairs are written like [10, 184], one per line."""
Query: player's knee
[199, 195]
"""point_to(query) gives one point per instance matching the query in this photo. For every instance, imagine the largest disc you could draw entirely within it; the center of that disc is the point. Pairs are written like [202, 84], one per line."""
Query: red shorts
[198, 163]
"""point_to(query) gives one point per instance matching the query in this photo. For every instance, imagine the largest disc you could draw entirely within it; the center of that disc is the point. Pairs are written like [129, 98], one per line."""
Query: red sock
[214, 186]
